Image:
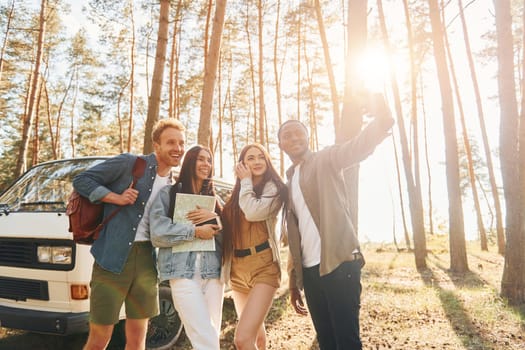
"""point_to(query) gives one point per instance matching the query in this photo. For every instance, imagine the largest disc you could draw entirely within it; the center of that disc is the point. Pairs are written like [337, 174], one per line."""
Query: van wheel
[165, 329]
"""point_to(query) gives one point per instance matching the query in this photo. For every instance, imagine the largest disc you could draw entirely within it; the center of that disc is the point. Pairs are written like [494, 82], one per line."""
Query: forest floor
[402, 308]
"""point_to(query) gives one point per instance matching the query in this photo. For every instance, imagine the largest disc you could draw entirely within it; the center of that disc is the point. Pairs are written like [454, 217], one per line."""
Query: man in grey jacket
[324, 250]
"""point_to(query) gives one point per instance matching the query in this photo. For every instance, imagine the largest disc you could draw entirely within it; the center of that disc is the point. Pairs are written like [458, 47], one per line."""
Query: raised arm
[259, 209]
[93, 183]
[363, 144]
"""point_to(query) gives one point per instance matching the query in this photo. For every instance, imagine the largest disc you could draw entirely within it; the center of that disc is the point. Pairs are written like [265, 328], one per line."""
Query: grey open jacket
[322, 185]
[264, 209]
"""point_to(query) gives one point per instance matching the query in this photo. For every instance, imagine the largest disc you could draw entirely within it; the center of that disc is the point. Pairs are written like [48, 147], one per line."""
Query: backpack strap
[138, 171]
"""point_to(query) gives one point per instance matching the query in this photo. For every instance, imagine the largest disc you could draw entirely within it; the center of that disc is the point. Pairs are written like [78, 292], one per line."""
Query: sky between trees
[105, 66]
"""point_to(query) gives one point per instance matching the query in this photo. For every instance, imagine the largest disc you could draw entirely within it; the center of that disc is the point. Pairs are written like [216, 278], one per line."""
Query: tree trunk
[158, 74]
[312, 118]
[513, 280]
[521, 283]
[298, 83]
[262, 114]
[252, 76]
[401, 201]
[210, 73]
[209, 7]
[427, 161]
[277, 77]
[422, 249]
[31, 108]
[72, 116]
[222, 112]
[414, 191]
[207, 30]
[481, 117]
[52, 140]
[521, 181]
[351, 114]
[174, 93]
[232, 124]
[458, 252]
[328, 64]
[132, 78]
[10, 16]
[466, 143]
[36, 133]
[119, 117]
[55, 134]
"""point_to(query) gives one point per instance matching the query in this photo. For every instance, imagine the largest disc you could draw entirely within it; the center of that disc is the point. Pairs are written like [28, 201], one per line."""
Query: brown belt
[240, 253]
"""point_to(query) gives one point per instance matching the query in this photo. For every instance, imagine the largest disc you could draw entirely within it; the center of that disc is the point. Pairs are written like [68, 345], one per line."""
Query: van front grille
[17, 253]
[21, 289]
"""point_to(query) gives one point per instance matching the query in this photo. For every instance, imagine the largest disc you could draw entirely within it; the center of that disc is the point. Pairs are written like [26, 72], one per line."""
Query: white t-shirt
[143, 229]
[310, 239]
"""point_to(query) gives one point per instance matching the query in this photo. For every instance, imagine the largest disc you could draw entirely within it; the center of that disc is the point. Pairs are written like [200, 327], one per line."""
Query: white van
[44, 275]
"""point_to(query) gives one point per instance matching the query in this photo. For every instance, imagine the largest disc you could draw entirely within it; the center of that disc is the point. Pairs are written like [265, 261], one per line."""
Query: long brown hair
[232, 212]
[184, 183]
[187, 173]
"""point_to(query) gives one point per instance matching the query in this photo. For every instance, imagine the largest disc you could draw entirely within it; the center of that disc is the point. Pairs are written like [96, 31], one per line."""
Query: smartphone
[213, 221]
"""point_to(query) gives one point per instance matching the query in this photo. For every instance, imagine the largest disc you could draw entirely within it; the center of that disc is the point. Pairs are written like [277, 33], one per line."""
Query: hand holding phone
[377, 107]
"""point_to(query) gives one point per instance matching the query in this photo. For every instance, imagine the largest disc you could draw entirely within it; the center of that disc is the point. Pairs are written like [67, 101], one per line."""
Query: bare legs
[100, 335]
[136, 330]
[252, 309]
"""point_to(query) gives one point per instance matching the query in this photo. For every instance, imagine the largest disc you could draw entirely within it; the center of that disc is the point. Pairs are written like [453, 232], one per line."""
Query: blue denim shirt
[165, 234]
[112, 247]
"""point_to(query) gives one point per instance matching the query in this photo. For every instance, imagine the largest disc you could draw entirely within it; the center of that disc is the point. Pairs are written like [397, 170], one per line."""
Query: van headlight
[54, 254]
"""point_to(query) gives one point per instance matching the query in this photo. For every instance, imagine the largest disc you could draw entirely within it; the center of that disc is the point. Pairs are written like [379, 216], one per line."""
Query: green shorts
[136, 286]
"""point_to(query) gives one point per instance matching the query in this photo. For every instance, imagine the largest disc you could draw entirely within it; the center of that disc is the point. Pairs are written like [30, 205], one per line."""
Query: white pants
[199, 304]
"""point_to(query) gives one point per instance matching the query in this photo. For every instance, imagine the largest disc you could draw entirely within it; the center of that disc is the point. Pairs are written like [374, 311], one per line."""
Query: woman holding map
[251, 262]
[190, 253]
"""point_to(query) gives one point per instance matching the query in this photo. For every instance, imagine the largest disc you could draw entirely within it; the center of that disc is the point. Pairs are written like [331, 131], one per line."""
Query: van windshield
[45, 187]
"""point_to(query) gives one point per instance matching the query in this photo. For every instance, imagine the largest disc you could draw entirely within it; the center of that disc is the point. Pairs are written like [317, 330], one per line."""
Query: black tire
[165, 329]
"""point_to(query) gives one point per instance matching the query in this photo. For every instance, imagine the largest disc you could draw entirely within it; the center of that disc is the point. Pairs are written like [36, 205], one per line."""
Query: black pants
[334, 301]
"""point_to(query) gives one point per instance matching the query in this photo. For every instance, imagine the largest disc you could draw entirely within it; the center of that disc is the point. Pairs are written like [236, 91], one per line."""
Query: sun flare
[372, 68]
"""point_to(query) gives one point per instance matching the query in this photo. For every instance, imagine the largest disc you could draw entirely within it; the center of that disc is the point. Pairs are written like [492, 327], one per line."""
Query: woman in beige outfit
[250, 252]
